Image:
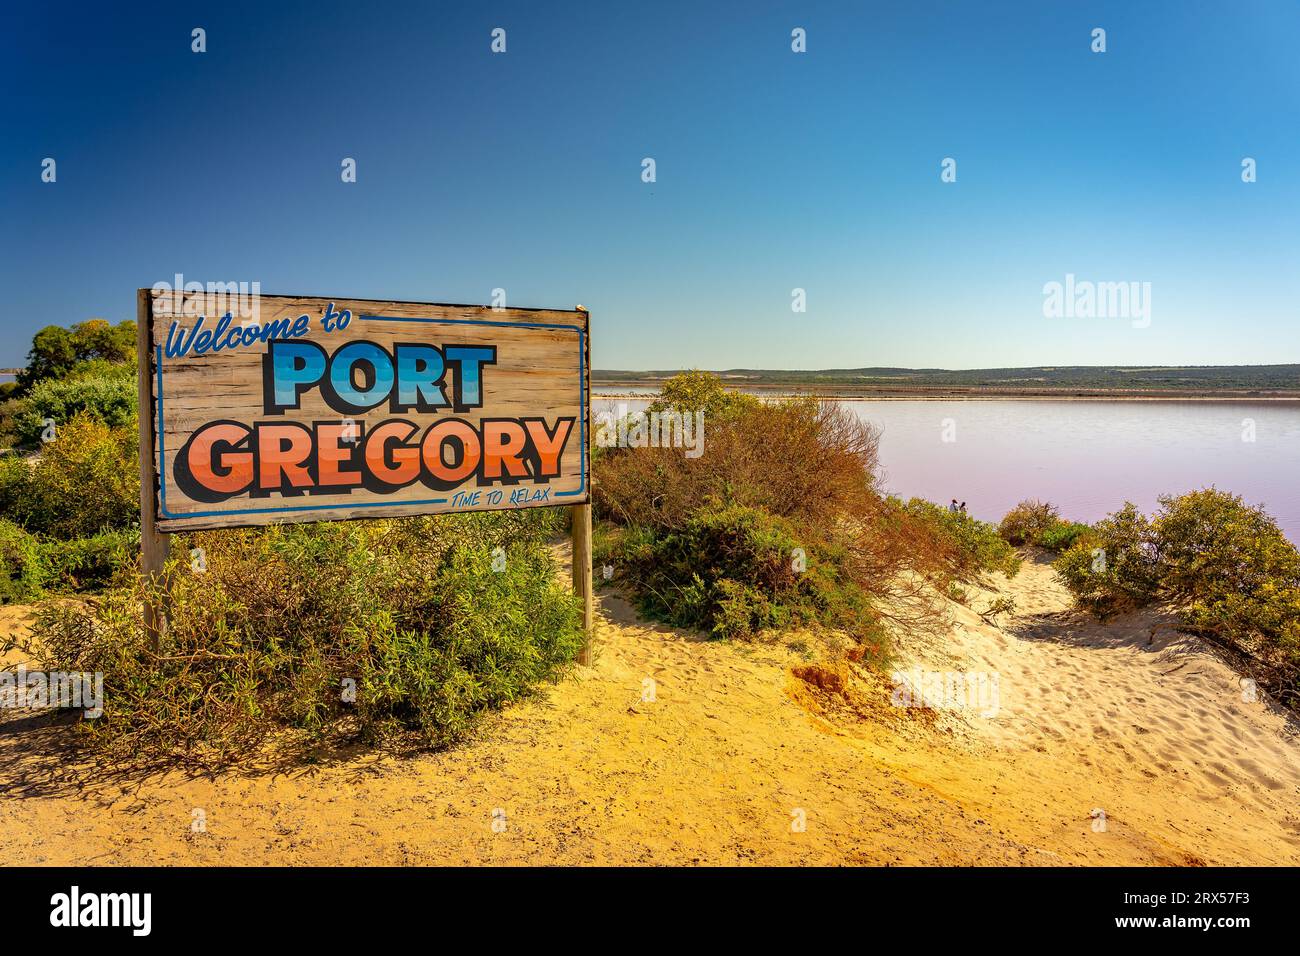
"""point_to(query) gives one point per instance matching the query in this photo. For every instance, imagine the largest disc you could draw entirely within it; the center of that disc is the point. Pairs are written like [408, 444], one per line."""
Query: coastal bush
[697, 391]
[84, 482]
[1028, 521]
[1034, 522]
[20, 566]
[69, 515]
[88, 563]
[713, 541]
[736, 571]
[1224, 565]
[1235, 574]
[1209, 541]
[32, 567]
[956, 544]
[809, 462]
[89, 367]
[105, 394]
[10, 408]
[56, 351]
[371, 630]
[1062, 535]
[1113, 567]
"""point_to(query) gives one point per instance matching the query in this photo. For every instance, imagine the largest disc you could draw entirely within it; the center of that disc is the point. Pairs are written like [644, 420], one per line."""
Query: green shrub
[1234, 572]
[675, 584]
[266, 639]
[1062, 535]
[1113, 566]
[57, 351]
[70, 514]
[1211, 542]
[708, 542]
[736, 571]
[1227, 568]
[109, 397]
[88, 564]
[1039, 523]
[32, 567]
[960, 546]
[1028, 521]
[9, 410]
[697, 391]
[84, 482]
[20, 565]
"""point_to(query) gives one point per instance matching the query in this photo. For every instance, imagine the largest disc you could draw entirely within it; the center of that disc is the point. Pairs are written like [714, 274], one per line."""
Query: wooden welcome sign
[328, 409]
[322, 408]
[342, 408]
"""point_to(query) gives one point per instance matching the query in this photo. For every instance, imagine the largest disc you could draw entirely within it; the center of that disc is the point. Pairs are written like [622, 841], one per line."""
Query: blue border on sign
[582, 412]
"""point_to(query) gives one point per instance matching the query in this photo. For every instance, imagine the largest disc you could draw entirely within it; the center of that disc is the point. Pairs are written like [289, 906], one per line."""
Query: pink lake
[1086, 457]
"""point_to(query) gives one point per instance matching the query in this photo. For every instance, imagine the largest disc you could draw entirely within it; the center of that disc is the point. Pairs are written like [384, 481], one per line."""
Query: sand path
[733, 754]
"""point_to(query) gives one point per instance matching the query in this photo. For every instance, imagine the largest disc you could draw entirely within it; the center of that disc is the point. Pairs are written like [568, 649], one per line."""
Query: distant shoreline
[618, 390]
[1218, 383]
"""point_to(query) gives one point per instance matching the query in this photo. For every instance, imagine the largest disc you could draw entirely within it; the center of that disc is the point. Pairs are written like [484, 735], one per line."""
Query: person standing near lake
[962, 509]
[952, 506]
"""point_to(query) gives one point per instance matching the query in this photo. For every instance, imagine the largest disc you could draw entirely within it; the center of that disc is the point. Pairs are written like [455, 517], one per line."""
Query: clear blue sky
[775, 170]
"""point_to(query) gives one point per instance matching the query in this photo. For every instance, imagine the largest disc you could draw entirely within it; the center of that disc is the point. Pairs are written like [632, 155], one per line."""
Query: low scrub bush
[378, 630]
[736, 571]
[107, 394]
[767, 529]
[1028, 521]
[84, 482]
[1039, 523]
[956, 544]
[1062, 535]
[20, 564]
[88, 564]
[1113, 567]
[33, 567]
[1209, 542]
[697, 391]
[1235, 573]
[1227, 568]
[802, 460]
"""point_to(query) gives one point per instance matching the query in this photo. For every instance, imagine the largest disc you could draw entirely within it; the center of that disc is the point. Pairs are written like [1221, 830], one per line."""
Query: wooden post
[580, 515]
[154, 547]
[580, 529]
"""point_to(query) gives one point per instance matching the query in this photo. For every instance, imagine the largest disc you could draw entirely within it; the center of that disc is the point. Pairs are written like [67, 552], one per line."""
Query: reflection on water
[1086, 457]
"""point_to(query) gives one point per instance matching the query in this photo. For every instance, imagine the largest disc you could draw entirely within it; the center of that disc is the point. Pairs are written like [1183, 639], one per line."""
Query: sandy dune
[735, 752]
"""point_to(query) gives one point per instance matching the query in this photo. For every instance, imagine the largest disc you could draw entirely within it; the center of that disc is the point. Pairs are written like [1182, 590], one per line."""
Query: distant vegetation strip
[1262, 380]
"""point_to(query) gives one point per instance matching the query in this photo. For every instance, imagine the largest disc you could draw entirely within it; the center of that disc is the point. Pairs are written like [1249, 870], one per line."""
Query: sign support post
[154, 545]
[580, 520]
[580, 525]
